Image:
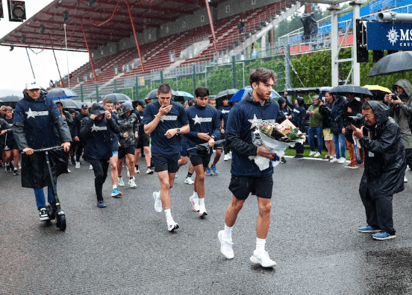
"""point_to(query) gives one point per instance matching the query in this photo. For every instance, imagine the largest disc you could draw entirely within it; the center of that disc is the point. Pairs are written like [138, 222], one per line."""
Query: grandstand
[171, 34]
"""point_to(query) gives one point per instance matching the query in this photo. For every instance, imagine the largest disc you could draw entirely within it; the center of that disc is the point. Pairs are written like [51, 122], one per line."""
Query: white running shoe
[316, 155]
[150, 171]
[132, 184]
[333, 159]
[90, 167]
[158, 202]
[172, 225]
[225, 246]
[341, 160]
[405, 180]
[120, 181]
[226, 157]
[195, 202]
[312, 153]
[262, 258]
[189, 180]
[136, 171]
[202, 211]
[77, 165]
[230, 155]
[43, 214]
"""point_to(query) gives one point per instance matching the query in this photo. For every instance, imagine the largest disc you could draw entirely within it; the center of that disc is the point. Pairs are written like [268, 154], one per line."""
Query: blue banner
[388, 36]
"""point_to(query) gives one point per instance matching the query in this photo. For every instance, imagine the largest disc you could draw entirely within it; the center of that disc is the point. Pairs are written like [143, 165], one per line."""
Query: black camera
[357, 120]
[395, 95]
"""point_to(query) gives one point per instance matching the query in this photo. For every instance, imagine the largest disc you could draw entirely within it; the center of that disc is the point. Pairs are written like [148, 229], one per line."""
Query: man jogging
[247, 178]
[165, 119]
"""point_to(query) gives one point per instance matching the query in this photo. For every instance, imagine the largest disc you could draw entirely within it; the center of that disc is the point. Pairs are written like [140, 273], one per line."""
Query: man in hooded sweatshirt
[400, 104]
[98, 133]
[244, 118]
[384, 168]
[38, 124]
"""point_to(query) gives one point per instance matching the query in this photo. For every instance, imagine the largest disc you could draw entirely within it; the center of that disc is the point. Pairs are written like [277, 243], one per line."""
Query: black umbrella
[226, 93]
[10, 100]
[352, 89]
[392, 63]
[68, 104]
[118, 97]
[153, 94]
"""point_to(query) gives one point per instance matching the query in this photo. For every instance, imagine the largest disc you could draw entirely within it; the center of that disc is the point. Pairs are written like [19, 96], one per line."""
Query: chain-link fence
[218, 75]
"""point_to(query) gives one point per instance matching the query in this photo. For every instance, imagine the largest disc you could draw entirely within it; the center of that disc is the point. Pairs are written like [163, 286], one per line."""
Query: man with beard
[164, 120]
[247, 178]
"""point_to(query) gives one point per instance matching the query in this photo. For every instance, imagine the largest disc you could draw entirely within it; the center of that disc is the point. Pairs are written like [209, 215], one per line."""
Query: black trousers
[379, 212]
[78, 146]
[100, 168]
[408, 156]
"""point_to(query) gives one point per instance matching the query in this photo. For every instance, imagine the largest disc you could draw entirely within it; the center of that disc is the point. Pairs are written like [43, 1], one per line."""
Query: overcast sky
[15, 66]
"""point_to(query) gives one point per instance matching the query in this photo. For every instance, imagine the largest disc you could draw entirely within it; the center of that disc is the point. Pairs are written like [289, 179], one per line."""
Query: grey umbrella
[118, 97]
[357, 90]
[68, 104]
[392, 63]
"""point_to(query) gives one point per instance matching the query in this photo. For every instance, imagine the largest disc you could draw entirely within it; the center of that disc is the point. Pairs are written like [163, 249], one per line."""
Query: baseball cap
[84, 106]
[32, 84]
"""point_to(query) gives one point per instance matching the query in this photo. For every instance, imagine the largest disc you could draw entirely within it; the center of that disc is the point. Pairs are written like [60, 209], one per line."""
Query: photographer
[384, 168]
[400, 103]
[351, 109]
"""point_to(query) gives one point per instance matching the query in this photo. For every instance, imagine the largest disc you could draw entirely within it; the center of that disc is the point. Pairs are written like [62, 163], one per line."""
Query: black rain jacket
[384, 156]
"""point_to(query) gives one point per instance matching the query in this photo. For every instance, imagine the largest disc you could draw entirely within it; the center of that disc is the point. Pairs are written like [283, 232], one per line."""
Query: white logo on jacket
[34, 114]
[199, 120]
[168, 118]
[98, 128]
[255, 122]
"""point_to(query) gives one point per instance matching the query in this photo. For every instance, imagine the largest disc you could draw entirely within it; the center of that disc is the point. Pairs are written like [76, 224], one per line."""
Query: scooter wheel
[61, 222]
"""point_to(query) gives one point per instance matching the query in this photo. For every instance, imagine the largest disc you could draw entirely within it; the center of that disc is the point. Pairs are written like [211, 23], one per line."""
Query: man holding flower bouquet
[244, 118]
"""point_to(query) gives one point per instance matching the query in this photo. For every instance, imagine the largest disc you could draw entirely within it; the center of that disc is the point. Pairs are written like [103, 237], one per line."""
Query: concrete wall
[185, 23]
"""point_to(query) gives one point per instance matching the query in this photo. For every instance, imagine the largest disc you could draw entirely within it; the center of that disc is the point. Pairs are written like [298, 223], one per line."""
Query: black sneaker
[283, 160]
[16, 171]
[73, 162]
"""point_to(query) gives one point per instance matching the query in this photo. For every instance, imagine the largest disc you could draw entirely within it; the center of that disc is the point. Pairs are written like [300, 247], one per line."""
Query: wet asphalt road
[126, 248]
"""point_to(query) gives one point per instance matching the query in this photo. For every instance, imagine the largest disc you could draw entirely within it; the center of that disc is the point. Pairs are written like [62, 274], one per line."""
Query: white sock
[260, 244]
[168, 214]
[202, 202]
[195, 195]
[228, 232]
[114, 186]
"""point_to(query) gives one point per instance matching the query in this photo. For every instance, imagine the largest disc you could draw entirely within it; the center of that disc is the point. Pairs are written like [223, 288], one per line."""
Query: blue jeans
[339, 141]
[41, 199]
[311, 138]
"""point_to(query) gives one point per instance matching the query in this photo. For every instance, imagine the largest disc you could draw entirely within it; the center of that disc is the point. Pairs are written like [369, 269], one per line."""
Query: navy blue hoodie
[38, 123]
[99, 138]
[239, 134]
[202, 120]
